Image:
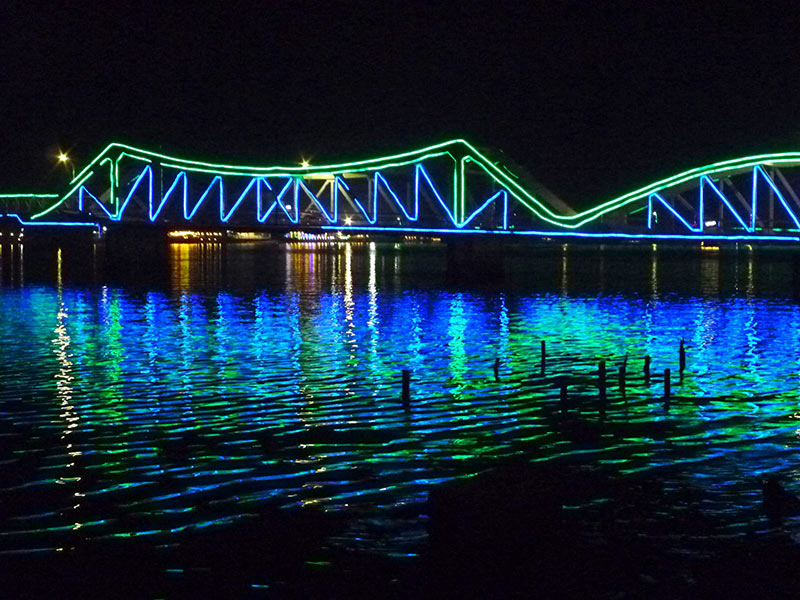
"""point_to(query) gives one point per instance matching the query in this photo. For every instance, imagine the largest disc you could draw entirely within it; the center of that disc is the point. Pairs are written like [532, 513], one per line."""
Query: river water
[190, 393]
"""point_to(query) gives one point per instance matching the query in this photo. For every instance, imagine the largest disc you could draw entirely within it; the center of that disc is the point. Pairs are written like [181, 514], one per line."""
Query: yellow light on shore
[62, 157]
[305, 164]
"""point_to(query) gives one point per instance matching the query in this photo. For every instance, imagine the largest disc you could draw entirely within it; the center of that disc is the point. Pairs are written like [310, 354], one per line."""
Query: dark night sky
[594, 98]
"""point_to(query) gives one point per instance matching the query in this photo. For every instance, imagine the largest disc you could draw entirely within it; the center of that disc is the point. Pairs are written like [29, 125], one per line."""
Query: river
[191, 392]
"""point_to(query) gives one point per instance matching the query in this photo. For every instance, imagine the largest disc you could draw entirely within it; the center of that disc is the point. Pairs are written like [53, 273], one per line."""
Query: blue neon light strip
[299, 183]
[571, 234]
[83, 192]
[294, 217]
[768, 179]
[223, 216]
[487, 203]
[148, 170]
[51, 223]
[178, 178]
[218, 179]
[379, 178]
[705, 180]
[420, 169]
[677, 215]
[340, 181]
[278, 201]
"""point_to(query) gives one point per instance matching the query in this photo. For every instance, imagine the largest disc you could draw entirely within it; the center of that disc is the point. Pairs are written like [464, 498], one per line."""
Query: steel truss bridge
[448, 188]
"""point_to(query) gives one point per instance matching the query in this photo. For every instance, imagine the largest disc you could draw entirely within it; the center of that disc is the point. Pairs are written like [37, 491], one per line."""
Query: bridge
[448, 188]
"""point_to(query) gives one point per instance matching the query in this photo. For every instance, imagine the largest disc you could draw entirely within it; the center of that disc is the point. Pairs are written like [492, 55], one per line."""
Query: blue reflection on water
[132, 412]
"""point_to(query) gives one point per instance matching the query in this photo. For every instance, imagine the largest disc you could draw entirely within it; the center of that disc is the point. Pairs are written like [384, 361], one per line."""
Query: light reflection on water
[144, 410]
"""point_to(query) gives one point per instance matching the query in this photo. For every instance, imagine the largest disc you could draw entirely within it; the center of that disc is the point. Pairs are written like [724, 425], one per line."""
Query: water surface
[229, 379]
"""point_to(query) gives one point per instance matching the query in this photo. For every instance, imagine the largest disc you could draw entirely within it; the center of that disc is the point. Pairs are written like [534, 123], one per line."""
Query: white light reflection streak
[373, 322]
[64, 379]
[349, 305]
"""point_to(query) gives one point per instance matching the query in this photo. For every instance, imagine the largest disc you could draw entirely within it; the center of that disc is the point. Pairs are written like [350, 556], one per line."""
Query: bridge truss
[447, 188]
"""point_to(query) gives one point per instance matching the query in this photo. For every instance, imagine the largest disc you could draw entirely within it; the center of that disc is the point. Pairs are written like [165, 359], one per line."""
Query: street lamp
[63, 158]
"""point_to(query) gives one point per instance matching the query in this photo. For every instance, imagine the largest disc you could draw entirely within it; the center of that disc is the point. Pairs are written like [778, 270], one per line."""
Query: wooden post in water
[562, 398]
[667, 384]
[544, 356]
[497, 369]
[601, 386]
[647, 370]
[682, 357]
[622, 386]
[406, 389]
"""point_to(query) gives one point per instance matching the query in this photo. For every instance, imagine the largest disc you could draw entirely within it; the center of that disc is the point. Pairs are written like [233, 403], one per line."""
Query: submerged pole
[497, 369]
[406, 388]
[562, 397]
[544, 356]
[601, 385]
[647, 370]
[667, 384]
[682, 357]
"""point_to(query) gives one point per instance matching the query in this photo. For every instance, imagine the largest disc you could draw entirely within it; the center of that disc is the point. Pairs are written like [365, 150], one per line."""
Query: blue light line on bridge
[277, 202]
[340, 181]
[180, 176]
[218, 179]
[571, 234]
[487, 203]
[83, 191]
[299, 183]
[421, 169]
[149, 171]
[758, 169]
[223, 216]
[394, 196]
[51, 223]
[705, 180]
[658, 197]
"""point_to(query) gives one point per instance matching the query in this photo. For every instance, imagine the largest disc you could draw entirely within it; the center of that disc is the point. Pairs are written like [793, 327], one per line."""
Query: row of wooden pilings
[601, 380]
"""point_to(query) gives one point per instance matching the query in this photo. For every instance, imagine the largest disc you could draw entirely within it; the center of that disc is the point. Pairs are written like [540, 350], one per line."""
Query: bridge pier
[475, 259]
[134, 244]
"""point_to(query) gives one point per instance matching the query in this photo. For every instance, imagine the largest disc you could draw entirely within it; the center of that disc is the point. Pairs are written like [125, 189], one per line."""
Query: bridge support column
[475, 259]
[134, 244]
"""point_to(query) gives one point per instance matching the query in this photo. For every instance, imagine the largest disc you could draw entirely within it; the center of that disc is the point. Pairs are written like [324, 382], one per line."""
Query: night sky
[594, 98]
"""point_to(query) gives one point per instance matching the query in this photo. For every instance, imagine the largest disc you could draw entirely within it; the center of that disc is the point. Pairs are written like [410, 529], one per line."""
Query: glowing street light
[63, 158]
[305, 164]
[348, 220]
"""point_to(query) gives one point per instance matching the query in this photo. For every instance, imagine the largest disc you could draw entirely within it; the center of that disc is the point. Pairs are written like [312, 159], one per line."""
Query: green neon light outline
[718, 167]
[499, 173]
[67, 195]
[285, 171]
[134, 156]
[467, 159]
[28, 195]
[110, 179]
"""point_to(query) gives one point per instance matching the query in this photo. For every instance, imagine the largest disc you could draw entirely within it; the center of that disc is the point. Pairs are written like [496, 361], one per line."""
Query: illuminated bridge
[448, 188]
